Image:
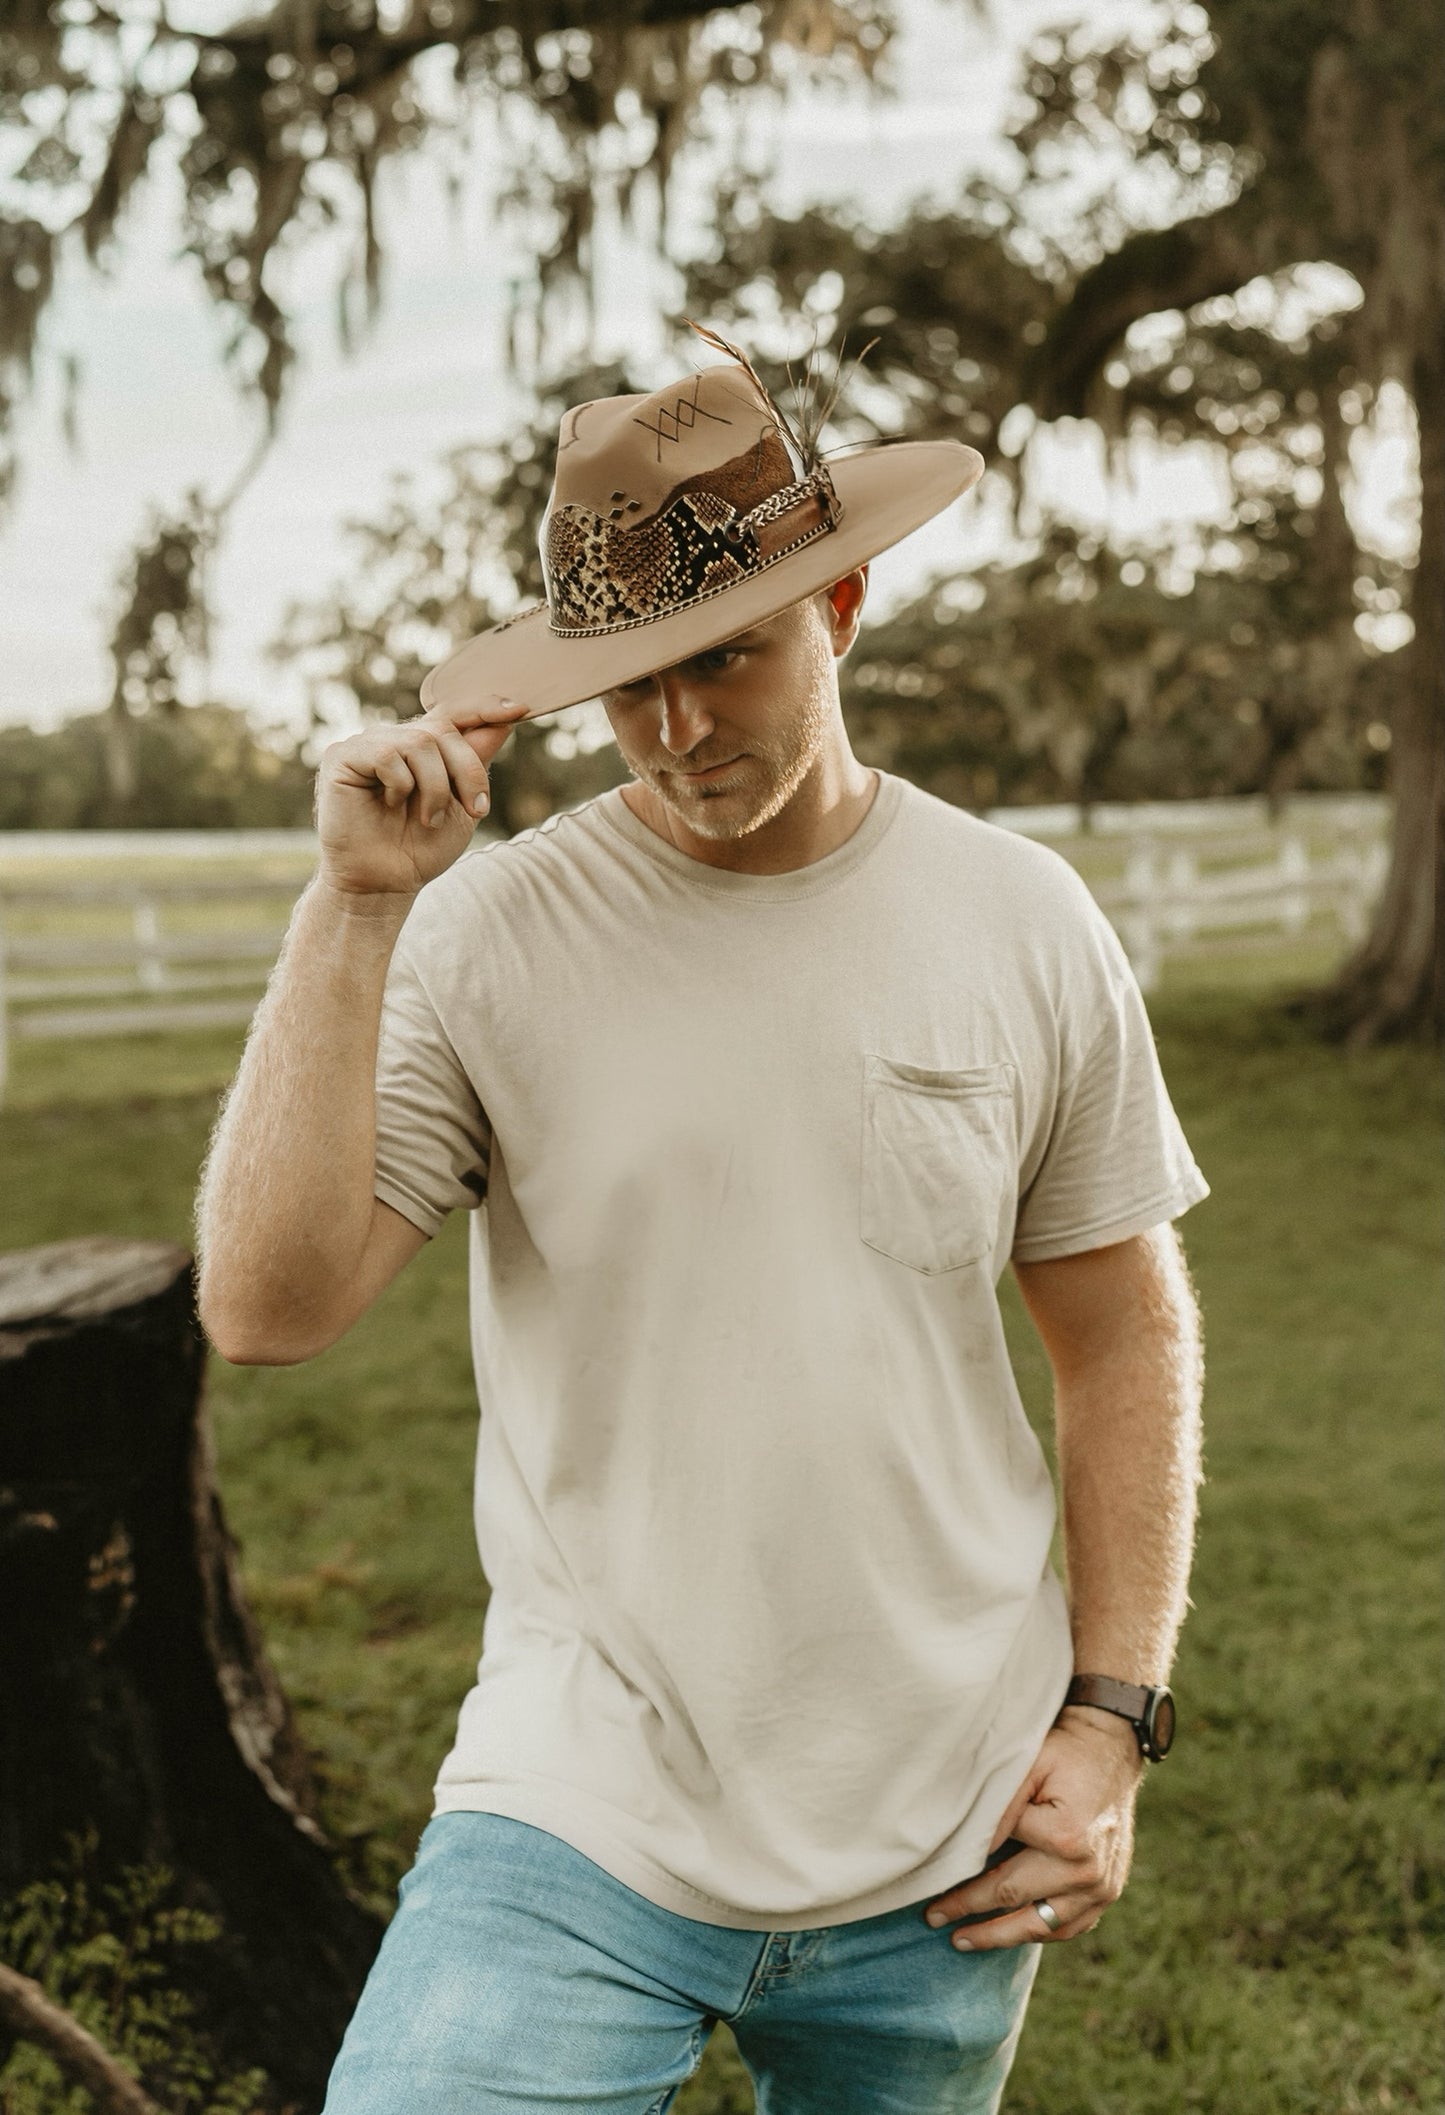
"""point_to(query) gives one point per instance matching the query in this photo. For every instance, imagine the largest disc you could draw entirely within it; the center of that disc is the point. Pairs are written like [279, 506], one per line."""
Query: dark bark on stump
[135, 1693]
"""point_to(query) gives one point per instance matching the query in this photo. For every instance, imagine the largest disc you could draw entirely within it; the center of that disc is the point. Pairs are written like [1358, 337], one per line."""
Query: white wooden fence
[1168, 906]
[191, 921]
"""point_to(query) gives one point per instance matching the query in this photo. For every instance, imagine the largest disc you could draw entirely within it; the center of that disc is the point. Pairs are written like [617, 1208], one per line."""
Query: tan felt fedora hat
[680, 519]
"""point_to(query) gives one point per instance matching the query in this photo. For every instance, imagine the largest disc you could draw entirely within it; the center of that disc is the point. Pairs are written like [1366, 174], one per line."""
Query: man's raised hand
[396, 805]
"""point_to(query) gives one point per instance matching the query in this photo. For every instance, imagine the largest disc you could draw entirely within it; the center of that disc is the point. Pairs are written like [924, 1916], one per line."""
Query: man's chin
[718, 812]
[718, 818]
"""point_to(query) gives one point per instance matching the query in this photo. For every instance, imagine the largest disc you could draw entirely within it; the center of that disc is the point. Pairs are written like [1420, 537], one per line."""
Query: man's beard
[771, 775]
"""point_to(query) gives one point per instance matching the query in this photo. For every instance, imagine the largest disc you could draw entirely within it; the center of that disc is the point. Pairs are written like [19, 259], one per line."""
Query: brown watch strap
[1101, 1690]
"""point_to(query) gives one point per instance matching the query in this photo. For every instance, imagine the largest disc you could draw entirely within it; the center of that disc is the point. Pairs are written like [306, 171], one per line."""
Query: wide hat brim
[885, 492]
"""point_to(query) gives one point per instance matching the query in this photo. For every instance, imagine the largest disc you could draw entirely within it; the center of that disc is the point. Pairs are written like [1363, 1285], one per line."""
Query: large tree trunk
[135, 1693]
[120, 762]
[1394, 986]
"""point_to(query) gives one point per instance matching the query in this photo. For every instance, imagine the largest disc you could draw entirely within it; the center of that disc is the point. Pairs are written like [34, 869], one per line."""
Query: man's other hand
[1074, 1813]
[396, 805]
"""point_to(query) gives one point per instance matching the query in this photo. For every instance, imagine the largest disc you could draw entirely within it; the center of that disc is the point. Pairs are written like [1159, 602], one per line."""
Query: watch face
[1161, 1723]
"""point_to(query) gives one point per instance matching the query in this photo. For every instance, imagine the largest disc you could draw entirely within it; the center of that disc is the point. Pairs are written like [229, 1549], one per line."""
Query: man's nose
[686, 720]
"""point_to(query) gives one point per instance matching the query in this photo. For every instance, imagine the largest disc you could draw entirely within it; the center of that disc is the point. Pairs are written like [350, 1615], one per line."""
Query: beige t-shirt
[773, 1634]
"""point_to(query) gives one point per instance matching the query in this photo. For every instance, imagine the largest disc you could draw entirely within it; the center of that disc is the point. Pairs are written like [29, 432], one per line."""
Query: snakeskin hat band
[680, 519]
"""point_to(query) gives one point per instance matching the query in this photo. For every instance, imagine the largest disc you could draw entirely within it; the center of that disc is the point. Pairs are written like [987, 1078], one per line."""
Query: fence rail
[192, 949]
[1168, 908]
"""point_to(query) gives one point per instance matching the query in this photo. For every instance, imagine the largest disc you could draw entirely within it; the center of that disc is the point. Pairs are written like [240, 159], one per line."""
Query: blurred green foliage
[1161, 251]
[272, 122]
[1063, 678]
[202, 767]
[118, 1954]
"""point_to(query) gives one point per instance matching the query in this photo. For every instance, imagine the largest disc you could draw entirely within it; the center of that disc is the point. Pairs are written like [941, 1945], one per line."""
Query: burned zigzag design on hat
[673, 420]
[604, 576]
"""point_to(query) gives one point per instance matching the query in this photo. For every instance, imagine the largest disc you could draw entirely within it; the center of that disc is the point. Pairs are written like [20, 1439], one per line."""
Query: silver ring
[1049, 1915]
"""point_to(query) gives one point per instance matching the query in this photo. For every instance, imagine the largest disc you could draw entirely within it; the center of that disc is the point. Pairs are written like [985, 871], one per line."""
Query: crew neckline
[811, 880]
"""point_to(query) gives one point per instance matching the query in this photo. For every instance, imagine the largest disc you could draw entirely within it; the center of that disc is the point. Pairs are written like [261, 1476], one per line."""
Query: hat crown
[624, 458]
[663, 501]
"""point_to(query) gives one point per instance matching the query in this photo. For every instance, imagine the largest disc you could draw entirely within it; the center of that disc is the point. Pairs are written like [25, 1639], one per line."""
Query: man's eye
[716, 659]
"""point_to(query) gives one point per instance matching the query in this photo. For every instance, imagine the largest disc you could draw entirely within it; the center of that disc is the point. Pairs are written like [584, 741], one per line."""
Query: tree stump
[136, 1698]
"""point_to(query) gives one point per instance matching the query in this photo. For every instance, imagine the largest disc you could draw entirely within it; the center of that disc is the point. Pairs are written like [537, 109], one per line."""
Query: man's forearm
[1122, 1332]
[1128, 1422]
[286, 1206]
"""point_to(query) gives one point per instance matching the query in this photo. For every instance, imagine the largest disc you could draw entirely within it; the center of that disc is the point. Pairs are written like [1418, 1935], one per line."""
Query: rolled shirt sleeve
[433, 1140]
[1116, 1161]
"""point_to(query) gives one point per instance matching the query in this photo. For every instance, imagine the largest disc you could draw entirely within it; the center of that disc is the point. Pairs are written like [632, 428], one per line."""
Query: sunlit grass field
[1278, 1948]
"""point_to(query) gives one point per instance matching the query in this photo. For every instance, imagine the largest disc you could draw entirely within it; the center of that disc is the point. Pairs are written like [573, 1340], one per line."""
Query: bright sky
[158, 415]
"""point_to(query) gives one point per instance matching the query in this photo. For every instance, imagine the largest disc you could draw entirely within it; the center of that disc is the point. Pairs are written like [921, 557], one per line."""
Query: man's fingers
[1022, 1927]
[433, 784]
[1006, 1900]
[431, 762]
[393, 774]
[467, 772]
[1018, 1806]
[484, 727]
[1057, 1860]
[1009, 1886]
[1045, 1825]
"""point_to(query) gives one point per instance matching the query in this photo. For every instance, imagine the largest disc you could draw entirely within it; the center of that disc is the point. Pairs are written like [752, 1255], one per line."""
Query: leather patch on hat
[783, 529]
[743, 480]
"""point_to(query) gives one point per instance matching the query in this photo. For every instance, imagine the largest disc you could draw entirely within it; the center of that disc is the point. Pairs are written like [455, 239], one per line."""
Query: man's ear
[845, 607]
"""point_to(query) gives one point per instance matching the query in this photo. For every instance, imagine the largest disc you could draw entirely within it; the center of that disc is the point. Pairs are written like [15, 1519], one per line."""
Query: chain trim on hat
[604, 579]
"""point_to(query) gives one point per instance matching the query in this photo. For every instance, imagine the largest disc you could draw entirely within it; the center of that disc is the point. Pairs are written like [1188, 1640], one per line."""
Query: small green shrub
[115, 1953]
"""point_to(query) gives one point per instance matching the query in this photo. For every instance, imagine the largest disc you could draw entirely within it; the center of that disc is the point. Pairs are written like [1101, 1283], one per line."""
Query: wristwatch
[1149, 1711]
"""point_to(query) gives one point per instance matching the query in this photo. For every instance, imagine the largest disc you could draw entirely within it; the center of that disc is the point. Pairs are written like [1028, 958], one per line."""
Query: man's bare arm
[1121, 1327]
[294, 1245]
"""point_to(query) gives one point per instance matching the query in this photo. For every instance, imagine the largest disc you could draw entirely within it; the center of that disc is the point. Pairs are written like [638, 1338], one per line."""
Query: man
[760, 1069]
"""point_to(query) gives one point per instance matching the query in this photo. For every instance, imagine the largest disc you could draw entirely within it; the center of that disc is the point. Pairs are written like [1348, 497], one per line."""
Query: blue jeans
[518, 1976]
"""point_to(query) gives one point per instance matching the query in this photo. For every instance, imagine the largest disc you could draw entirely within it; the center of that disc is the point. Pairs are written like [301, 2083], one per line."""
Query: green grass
[1277, 1949]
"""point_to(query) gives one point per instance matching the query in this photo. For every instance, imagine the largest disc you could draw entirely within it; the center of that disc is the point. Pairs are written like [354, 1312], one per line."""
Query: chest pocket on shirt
[937, 1158]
